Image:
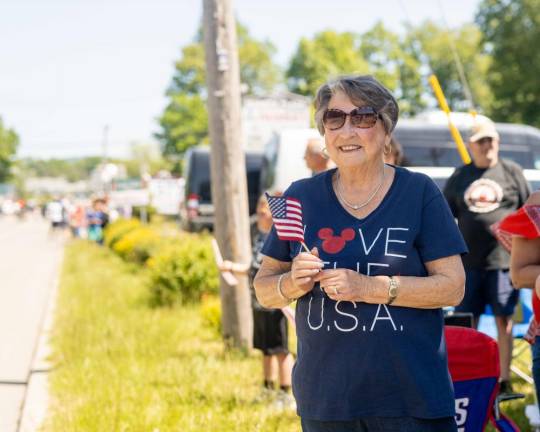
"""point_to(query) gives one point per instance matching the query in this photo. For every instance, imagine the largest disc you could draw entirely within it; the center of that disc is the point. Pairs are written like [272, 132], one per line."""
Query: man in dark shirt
[479, 195]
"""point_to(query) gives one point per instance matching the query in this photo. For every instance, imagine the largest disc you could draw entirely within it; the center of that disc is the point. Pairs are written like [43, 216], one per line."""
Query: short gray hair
[361, 90]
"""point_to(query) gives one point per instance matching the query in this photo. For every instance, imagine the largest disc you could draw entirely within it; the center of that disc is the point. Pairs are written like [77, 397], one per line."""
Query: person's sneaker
[284, 402]
[507, 392]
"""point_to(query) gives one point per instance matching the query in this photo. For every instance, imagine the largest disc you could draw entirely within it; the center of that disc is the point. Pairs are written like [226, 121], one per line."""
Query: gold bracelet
[280, 291]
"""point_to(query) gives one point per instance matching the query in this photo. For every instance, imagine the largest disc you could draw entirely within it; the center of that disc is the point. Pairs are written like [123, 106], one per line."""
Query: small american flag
[287, 217]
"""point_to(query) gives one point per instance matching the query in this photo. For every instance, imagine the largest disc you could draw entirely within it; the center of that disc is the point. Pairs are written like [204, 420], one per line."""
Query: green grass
[119, 365]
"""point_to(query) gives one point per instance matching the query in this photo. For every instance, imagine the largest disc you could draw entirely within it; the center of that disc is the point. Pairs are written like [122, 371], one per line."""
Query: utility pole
[229, 186]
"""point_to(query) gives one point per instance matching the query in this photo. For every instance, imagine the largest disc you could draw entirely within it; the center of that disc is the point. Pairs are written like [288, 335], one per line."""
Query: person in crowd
[98, 219]
[270, 327]
[77, 220]
[520, 233]
[55, 213]
[393, 154]
[480, 194]
[316, 159]
[384, 261]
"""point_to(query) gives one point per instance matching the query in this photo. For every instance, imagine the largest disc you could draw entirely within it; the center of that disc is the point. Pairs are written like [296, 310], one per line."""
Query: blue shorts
[382, 424]
[489, 287]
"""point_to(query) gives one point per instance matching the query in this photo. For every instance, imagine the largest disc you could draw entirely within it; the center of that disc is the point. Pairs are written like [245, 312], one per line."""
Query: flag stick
[305, 247]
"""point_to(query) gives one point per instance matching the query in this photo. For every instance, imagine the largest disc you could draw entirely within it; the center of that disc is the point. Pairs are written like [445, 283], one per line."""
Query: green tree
[431, 45]
[511, 30]
[9, 141]
[71, 169]
[184, 122]
[145, 159]
[328, 54]
[394, 66]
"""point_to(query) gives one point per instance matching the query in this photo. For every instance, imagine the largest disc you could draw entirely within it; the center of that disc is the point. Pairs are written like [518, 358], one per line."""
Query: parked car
[197, 210]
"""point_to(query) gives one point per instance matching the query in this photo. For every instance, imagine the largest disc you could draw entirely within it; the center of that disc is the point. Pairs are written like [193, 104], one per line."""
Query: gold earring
[325, 153]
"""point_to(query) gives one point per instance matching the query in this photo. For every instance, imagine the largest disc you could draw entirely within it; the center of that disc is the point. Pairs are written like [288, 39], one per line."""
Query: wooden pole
[229, 187]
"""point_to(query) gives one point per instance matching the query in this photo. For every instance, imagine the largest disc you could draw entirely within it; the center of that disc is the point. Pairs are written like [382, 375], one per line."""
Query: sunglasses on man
[485, 140]
[363, 117]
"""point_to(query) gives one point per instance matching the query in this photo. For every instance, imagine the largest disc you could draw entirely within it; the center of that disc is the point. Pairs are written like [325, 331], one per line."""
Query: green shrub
[116, 230]
[137, 245]
[211, 312]
[183, 270]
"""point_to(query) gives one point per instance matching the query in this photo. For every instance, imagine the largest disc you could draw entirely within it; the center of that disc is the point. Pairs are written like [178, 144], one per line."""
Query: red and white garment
[524, 222]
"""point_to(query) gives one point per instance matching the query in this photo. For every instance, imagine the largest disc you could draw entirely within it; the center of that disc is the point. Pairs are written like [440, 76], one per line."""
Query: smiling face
[351, 146]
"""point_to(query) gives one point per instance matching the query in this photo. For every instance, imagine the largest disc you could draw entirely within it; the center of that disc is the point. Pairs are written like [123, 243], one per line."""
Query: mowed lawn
[119, 365]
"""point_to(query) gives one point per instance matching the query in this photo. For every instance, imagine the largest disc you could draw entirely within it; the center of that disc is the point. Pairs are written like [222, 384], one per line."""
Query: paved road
[29, 264]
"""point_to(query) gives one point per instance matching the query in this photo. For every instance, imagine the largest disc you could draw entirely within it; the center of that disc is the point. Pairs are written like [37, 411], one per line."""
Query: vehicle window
[199, 178]
[435, 147]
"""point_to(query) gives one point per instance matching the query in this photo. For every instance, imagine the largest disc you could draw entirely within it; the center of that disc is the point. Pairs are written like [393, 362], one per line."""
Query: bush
[183, 270]
[211, 312]
[137, 245]
[116, 230]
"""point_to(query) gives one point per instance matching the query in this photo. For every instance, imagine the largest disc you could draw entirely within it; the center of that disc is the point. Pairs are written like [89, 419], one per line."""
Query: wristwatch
[392, 290]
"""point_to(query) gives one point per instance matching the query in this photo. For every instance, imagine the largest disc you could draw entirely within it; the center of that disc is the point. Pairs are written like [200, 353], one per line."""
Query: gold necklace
[365, 203]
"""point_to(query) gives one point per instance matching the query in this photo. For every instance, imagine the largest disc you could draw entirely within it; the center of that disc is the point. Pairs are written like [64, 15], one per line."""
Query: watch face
[392, 292]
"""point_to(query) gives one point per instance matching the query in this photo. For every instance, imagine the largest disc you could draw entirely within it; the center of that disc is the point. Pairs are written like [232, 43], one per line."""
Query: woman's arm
[525, 262]
[444, 285]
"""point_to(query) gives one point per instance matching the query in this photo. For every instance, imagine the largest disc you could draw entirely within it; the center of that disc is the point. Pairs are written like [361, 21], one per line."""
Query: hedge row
[181, 269]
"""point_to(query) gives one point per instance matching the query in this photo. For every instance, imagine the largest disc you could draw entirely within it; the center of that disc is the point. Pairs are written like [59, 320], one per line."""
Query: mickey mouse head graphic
[333, 244]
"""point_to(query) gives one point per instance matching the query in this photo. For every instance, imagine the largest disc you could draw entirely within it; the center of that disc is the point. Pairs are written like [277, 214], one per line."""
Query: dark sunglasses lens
[334, 119]
[363, 120]
[486, 140]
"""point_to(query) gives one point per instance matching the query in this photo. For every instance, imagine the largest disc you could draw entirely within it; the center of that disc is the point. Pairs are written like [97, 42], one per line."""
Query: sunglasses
[363, 118]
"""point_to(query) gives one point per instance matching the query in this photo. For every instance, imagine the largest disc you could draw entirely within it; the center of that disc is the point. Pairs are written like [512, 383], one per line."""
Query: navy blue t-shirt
[357, 359]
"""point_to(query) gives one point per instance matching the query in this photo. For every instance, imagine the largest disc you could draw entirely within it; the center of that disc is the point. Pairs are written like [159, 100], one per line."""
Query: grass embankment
[120, 365]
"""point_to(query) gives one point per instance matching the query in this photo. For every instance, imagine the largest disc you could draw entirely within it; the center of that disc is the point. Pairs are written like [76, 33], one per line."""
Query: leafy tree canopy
[511, 32]
[184, 122]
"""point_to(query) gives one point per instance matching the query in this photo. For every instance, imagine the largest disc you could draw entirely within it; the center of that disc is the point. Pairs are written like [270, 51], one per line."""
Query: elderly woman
[385, 260]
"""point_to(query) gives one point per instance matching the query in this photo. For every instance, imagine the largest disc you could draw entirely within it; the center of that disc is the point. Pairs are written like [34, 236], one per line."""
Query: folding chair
[473, 361]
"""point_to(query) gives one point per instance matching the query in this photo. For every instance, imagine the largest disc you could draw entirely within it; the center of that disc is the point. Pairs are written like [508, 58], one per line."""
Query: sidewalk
[29, 268]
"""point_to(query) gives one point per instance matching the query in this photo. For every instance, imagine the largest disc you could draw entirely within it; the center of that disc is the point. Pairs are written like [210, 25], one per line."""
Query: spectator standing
[98, 219]
[385, 259]
[520, 233]
[480, 194]
[55, 213]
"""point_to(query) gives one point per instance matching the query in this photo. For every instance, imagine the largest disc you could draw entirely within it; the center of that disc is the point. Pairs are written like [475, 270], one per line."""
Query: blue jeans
[536, 367]
[382, 424]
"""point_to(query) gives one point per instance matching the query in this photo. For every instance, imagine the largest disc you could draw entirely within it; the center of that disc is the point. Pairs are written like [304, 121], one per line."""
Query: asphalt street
[30, 259]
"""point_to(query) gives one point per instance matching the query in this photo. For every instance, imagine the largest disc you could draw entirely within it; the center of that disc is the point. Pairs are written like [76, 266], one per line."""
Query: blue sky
[70, 67]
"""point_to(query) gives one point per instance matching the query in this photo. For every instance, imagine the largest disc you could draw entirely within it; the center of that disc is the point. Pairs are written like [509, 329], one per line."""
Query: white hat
[484, 128]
